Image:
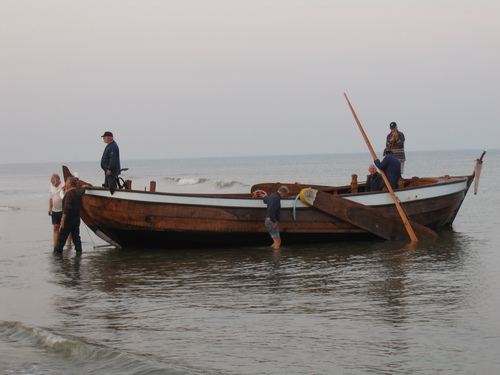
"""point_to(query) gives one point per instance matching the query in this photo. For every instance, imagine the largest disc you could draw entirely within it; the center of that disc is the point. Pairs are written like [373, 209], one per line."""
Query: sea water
[343, 307]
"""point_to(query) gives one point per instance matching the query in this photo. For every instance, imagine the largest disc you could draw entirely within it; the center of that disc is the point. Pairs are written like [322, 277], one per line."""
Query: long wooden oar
[404, 218]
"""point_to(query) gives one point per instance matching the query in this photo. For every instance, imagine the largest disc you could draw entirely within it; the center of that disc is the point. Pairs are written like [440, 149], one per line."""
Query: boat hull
[164, 220]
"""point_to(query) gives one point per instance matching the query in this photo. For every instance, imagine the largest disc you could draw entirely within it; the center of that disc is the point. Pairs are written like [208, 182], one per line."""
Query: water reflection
[66, 268]
[378, 276]
[338, 293]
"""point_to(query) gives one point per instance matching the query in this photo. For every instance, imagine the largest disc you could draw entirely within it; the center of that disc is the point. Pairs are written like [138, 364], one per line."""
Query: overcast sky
[188, 79]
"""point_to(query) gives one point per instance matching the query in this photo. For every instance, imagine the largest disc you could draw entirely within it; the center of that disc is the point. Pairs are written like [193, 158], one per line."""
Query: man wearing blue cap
[110, 161]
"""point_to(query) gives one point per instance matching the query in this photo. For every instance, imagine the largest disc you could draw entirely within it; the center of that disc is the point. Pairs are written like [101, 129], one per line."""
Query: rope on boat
[295, 207]
[90, 236]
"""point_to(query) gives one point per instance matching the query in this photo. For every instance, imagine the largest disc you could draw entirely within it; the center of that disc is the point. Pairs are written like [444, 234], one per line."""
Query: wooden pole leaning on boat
[404, 218]
[378, 222]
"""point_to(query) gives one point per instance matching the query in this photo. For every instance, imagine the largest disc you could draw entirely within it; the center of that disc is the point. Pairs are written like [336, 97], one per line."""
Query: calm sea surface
[351, 307]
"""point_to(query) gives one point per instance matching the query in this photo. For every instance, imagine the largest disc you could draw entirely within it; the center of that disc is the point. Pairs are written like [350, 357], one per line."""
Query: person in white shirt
[55, 206]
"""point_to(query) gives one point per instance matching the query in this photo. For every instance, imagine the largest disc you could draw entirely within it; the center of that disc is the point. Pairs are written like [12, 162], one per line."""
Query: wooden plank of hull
[134, 215]
[134, 224]
[375, 221]
[433, 213]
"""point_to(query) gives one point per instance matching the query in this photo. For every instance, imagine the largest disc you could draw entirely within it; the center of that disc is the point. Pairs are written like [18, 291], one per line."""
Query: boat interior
[355, 186]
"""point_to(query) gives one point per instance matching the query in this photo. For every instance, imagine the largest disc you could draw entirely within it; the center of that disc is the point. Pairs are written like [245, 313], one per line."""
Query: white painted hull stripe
[374, 199]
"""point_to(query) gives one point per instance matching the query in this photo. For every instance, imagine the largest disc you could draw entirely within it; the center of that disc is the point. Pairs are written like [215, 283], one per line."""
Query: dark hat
[393, 125]
[107, 134]
[387, 150]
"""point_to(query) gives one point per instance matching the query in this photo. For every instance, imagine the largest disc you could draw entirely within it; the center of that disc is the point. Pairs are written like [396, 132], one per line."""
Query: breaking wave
[228, 184]
[73, 353]
[8, 208]
[183, 181]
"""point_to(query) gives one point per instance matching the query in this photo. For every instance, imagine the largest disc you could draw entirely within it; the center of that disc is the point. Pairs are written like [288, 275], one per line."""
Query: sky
[228, 78]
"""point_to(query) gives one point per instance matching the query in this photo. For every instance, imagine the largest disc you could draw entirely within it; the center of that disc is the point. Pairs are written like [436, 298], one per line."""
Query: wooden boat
[136, 218]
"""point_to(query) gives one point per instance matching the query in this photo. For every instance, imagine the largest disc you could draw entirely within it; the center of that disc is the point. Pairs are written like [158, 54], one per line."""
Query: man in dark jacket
[391, 166]
[70, 222]
[110, 161]
[273, 215]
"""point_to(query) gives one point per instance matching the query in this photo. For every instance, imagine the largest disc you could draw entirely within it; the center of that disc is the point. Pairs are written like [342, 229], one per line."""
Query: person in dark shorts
[55, 206]
[273, 215]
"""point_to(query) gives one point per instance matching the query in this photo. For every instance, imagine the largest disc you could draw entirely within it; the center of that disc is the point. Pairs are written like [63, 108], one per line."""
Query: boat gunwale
[288, 203]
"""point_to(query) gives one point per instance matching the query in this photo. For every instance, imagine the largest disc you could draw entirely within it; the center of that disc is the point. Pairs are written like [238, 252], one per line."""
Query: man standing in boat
[391, 166]
[110, 161]
[273, 215]
[396, 142]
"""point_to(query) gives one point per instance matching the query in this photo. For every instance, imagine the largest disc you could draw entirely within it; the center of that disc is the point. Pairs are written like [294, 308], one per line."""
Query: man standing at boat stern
[396, 142]
[110, 161]
[273, 215]
[70, 222]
